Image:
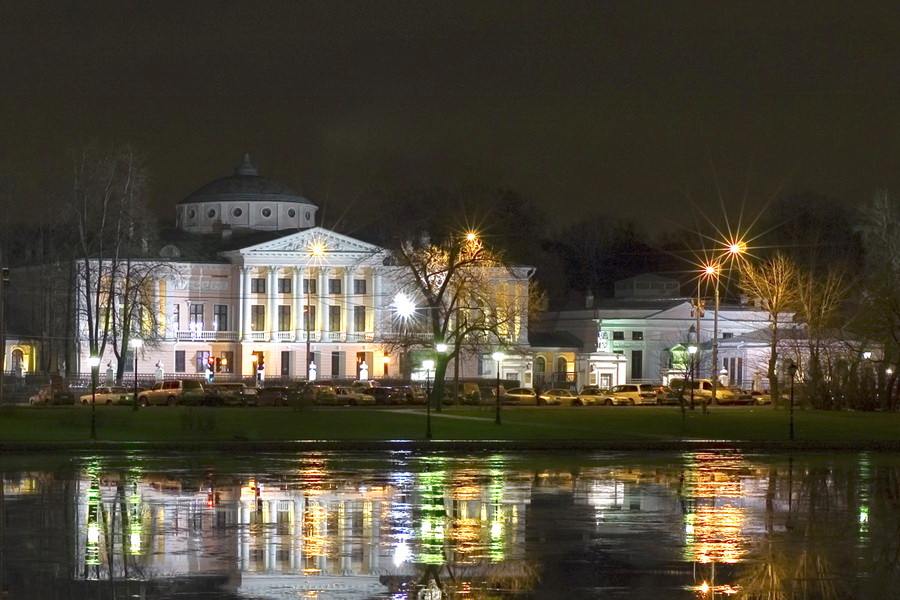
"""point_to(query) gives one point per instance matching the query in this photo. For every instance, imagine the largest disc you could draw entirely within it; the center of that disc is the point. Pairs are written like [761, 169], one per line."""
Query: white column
[272, 294]
[376, 302]
[297, 310]
[245, 304]
[348, 303]
[323, 293]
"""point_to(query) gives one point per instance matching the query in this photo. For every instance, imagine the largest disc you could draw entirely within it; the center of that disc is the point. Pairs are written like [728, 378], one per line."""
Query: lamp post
[135, 344]
[712, 271]
[692, 352]
[316, 250]
[792, 369]
[498, 356]
[441, 348]
[94, 362]
[428, 365]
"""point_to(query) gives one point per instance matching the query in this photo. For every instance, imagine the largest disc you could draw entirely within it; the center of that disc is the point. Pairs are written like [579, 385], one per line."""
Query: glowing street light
[316, 250]
[385, 361]
[714, 270]
[404, 305]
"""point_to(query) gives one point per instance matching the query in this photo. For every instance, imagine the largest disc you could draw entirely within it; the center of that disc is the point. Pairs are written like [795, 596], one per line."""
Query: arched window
[540, 364]
[562, 365]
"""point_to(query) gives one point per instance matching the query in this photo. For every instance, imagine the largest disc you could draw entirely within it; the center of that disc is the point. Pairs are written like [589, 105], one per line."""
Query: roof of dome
[245, 183]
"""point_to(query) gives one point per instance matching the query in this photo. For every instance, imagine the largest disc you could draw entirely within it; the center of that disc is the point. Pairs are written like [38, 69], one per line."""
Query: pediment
[301, 243]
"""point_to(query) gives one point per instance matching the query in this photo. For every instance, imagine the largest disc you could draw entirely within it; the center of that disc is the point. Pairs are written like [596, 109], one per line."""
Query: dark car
[274, 395]
[414, 395]
[386, 395]
[229, 394]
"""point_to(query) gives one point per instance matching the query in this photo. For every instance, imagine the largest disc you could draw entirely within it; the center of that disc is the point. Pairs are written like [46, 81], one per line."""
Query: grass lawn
[650, 424]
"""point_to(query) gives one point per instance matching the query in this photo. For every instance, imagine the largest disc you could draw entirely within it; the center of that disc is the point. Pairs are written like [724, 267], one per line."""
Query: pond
[397, 525]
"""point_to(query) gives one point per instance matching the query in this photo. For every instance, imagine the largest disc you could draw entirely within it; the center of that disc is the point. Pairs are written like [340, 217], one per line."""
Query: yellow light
[317, 249]
[386, 359]
[704, 587]
[471, 236]
[738, 247]
[711, 270]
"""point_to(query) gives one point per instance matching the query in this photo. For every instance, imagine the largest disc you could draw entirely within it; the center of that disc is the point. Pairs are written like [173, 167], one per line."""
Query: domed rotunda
[245, 201]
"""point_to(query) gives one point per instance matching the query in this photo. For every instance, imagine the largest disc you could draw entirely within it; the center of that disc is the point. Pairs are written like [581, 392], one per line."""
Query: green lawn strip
[72, 424]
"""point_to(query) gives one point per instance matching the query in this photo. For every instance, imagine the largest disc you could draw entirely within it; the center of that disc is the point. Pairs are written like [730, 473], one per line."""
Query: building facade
[249, 286]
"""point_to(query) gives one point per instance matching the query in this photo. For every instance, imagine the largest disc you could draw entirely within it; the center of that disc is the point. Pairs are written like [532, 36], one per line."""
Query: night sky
[638, 110]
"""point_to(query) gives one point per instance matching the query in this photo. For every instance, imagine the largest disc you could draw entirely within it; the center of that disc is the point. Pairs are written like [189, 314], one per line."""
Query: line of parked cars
[193, 392]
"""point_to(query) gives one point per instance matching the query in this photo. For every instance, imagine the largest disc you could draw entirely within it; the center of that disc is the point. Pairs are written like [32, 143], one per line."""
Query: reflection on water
[698, 525]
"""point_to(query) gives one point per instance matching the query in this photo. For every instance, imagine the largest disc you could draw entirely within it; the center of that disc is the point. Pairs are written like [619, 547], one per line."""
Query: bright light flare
[404, 305]
[471, 236]
[317, 249]
[737, 247]
[711, 269]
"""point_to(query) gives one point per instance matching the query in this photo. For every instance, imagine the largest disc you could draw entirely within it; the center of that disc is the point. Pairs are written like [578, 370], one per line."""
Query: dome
[246, 183]
[244, 201]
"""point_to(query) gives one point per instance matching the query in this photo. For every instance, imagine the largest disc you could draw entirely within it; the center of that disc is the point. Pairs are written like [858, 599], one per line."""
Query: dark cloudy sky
[618, 108]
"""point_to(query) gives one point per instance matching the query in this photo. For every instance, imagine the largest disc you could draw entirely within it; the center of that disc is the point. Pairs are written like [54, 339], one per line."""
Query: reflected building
[716, 521]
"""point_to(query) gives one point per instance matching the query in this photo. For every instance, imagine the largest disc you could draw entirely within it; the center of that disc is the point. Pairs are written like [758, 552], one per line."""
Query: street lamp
[711, 271]
[94, 362]
[692, 351]
[428, 365]
[316, 250]
[135, 344]
[792, 369]
[498, 356]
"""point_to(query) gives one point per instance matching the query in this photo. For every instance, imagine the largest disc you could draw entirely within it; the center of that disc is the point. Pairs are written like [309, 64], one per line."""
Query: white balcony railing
[206, 336]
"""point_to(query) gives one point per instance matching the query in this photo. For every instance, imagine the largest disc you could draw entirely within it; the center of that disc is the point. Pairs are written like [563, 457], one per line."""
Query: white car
[634, 393]
[591, 395]
[112, 394]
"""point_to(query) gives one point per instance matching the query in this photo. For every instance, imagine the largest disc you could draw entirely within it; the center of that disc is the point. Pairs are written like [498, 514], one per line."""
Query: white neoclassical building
[252, 287]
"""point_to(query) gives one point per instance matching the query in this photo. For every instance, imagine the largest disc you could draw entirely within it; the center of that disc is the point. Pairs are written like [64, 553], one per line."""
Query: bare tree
[470, 300]
[773, 284]
[113, 271]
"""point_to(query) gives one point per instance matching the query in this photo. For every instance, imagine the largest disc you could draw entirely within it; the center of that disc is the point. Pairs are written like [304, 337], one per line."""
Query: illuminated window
[284, 318]
[258, 317]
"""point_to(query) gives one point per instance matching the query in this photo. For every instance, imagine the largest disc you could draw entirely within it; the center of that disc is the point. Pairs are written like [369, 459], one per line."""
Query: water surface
[717, 524]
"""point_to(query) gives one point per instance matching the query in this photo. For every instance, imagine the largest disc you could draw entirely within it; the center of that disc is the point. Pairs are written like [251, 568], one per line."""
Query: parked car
[590, 395]
[703, 390]
[352, 396]
[761, 397]
[386, 395]
[171, 392]
[115, 394]
[414, 395]
[489, 396]
[556, 396]
[634, 393]
[52, 394]
[523, 395]
[273, 395]
[229, 394]
[320, 393]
